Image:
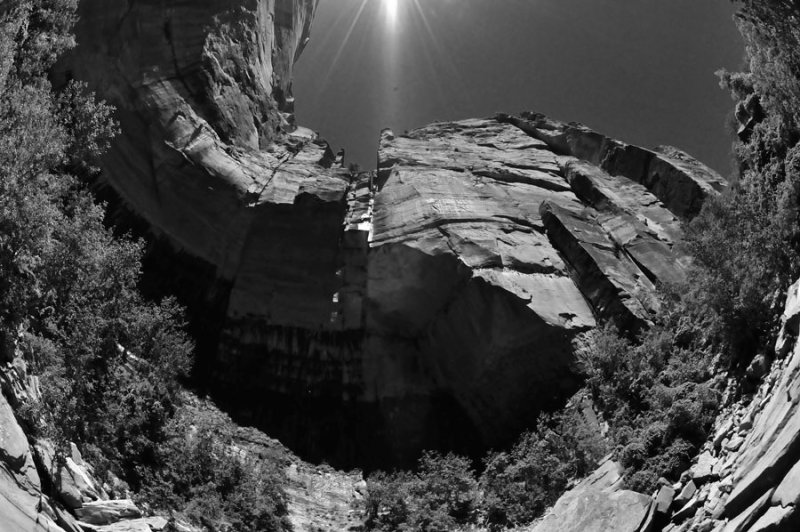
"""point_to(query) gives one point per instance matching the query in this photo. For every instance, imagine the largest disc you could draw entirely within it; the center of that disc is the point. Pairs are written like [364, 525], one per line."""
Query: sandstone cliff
[492, 249]
[362, 318]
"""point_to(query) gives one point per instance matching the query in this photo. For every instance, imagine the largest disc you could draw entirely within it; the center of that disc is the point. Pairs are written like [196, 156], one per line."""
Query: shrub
[658, 394]
[521, 483]
[210, 480]
[110, 361]
[442, 495]
[515, 487]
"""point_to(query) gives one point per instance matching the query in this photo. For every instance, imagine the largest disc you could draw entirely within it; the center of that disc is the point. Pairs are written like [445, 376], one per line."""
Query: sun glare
[392, 7]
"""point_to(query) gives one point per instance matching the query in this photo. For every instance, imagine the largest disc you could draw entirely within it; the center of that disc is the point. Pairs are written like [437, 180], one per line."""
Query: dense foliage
[521, 483]
[658, 395]
[515, 486]
[441, 495]
[110, 361]
[748, 243]
[206, 474]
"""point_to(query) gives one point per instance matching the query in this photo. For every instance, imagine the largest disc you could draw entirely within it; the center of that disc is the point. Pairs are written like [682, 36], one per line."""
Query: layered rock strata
[244, 209]
[362, 318]
[494, 245]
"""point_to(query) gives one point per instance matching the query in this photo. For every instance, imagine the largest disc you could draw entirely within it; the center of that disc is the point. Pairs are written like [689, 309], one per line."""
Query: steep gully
[433, 303]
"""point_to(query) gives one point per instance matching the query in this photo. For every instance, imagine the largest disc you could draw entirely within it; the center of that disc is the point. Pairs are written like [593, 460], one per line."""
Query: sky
[641, 71]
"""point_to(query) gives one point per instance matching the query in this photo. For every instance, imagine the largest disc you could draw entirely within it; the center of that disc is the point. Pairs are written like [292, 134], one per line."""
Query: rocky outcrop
[492, 248]
[108, 512]
[597, 504]
[70, 478]
[246, 210]
[362, 318]
[318, 498]
[677, 179]
[22, 506]
[323, 499]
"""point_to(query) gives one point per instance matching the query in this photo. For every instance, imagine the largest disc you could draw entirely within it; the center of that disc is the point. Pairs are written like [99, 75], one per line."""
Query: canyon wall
[362, 318]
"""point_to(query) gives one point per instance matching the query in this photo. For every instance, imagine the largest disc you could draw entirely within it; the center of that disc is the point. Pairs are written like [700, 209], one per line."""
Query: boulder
[705, 469]
[597, 504]
[686, 494]
[664, 499]
[150, 524]
[745, 520]
[15, 453]
[69, 476]
[107, 512]
[20, 488]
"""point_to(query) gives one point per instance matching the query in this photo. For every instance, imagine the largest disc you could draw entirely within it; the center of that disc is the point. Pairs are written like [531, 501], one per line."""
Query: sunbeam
[392, 8]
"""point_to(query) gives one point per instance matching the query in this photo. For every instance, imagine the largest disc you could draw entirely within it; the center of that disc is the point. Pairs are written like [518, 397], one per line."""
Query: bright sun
[392, 7]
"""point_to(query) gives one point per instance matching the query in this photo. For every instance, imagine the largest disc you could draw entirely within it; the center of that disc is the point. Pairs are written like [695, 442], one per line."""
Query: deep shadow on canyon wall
[363, 318]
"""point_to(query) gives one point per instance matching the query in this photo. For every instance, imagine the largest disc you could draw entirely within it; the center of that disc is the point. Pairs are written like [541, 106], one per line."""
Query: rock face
[246, 210]
[362, 318]
[493, 246]
[21, 498]
[597, 504]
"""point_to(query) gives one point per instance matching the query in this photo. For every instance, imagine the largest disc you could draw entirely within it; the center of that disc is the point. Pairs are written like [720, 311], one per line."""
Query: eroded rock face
[21, 498]
[246, 211]
[363, 318]
[494, 245]
[597, 504]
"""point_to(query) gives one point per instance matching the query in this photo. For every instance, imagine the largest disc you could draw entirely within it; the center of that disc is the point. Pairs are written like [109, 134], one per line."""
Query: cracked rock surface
[362, 318]
[493, 246]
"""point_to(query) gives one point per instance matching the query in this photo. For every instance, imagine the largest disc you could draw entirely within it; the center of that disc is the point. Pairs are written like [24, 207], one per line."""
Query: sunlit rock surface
[362, 318]
[22, 507]
[597, 504]
[493, 246]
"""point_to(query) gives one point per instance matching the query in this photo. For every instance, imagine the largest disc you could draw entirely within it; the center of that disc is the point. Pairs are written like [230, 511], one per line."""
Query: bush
[441, 496]
[515, 487]
[521, 483]
[747, 244]
[658, 394]
[212, 481]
